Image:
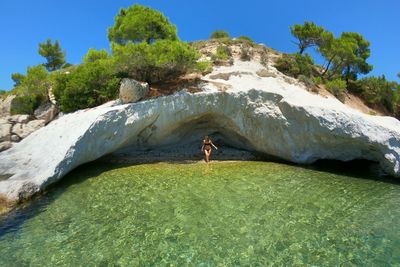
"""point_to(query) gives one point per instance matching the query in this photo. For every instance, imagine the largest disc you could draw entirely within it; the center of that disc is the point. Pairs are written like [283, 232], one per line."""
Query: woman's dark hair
[206, 138]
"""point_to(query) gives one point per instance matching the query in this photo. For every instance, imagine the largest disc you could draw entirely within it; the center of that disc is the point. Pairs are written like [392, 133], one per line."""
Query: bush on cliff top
[89, 85]
[141, 24]
[337, 87]
[161, 60]
[219, 34]
[222, 54]
[93, 55]
[246, 39]
[31, 90]
[25, 104]
[378, 92]
[295, 64]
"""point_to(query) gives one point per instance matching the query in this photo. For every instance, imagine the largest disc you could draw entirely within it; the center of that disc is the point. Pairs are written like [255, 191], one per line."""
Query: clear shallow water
[227, 213]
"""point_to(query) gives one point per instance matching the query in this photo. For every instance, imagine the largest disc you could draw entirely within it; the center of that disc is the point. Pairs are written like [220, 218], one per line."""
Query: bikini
[207, 146]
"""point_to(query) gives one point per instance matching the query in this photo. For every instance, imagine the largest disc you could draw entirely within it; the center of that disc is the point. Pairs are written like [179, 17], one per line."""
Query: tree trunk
[327, 66]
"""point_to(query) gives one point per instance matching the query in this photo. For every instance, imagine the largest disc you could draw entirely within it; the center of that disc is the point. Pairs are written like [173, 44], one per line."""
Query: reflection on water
[223, 213]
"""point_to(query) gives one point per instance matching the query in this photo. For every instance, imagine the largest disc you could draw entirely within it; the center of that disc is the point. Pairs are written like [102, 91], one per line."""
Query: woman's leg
[206, 155]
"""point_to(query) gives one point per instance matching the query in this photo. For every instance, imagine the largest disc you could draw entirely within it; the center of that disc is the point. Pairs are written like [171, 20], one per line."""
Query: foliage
[139, 23]
[53, 54]
[246, 39]
[35, 82]
[90, 84]
[25, 104]
[31, 90]
[377, 91]
[318, 80]
[309, 35]
[309, 83]
[204, 67]
[161, 60]
[347, 56]
[67, 65]
[93, 55]
[17, 78]
[295, 65]
[223, 53]
[2, 92]
[337, 87]
[219, 34]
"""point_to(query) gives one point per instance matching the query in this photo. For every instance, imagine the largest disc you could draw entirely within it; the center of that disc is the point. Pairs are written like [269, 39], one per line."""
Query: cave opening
[183, 141]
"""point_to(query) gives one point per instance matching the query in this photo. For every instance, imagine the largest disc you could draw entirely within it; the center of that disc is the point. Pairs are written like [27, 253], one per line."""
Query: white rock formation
[47, 112]
[16, 127]
[5, 130]
[25, 129]
[263, 114]
[132, 91]
[5, 105]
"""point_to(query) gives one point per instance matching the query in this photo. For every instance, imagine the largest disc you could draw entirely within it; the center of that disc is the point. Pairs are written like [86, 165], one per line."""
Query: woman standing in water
[207, 148]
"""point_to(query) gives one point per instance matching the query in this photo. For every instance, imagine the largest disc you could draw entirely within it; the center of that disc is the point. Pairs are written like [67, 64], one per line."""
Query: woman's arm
[202, 147]
[214, 145]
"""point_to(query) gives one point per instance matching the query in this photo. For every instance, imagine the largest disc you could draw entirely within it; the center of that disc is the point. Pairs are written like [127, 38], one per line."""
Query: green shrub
[337, 87]
[89, 85]
[295, 65]
[308, 82]
[31, 90]
[36, 81]
[318, 80]
[204, 67]
[376, 91]
[219, 34]
[2, 92]
[222, 54]
[93, 55]
[66, 66]
[25, 104]
[161, 60]
[140, 23]
[246, 39]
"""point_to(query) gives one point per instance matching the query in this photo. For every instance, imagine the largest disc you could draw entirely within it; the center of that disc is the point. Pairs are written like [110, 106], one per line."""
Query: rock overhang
[281, 120]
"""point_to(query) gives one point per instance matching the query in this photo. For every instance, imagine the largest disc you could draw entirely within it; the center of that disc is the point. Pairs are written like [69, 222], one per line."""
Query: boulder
[47, 112]
[132, 91]
[5, 145]
[23, 130]
[265, 73]
[24, 118]
[5, 105]
[5, 130]
[15, 138]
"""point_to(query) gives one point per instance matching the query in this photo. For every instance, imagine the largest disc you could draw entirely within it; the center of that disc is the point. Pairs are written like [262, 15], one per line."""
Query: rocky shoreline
[14, 128]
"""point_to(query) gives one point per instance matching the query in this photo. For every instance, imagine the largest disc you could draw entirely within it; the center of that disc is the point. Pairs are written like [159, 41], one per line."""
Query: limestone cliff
[269, 114]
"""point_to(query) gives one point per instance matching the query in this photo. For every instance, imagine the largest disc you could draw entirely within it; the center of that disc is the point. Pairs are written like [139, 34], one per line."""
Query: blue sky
[80, 25]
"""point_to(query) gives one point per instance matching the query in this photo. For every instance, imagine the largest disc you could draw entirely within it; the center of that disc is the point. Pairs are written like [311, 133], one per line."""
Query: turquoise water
[222, 214]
